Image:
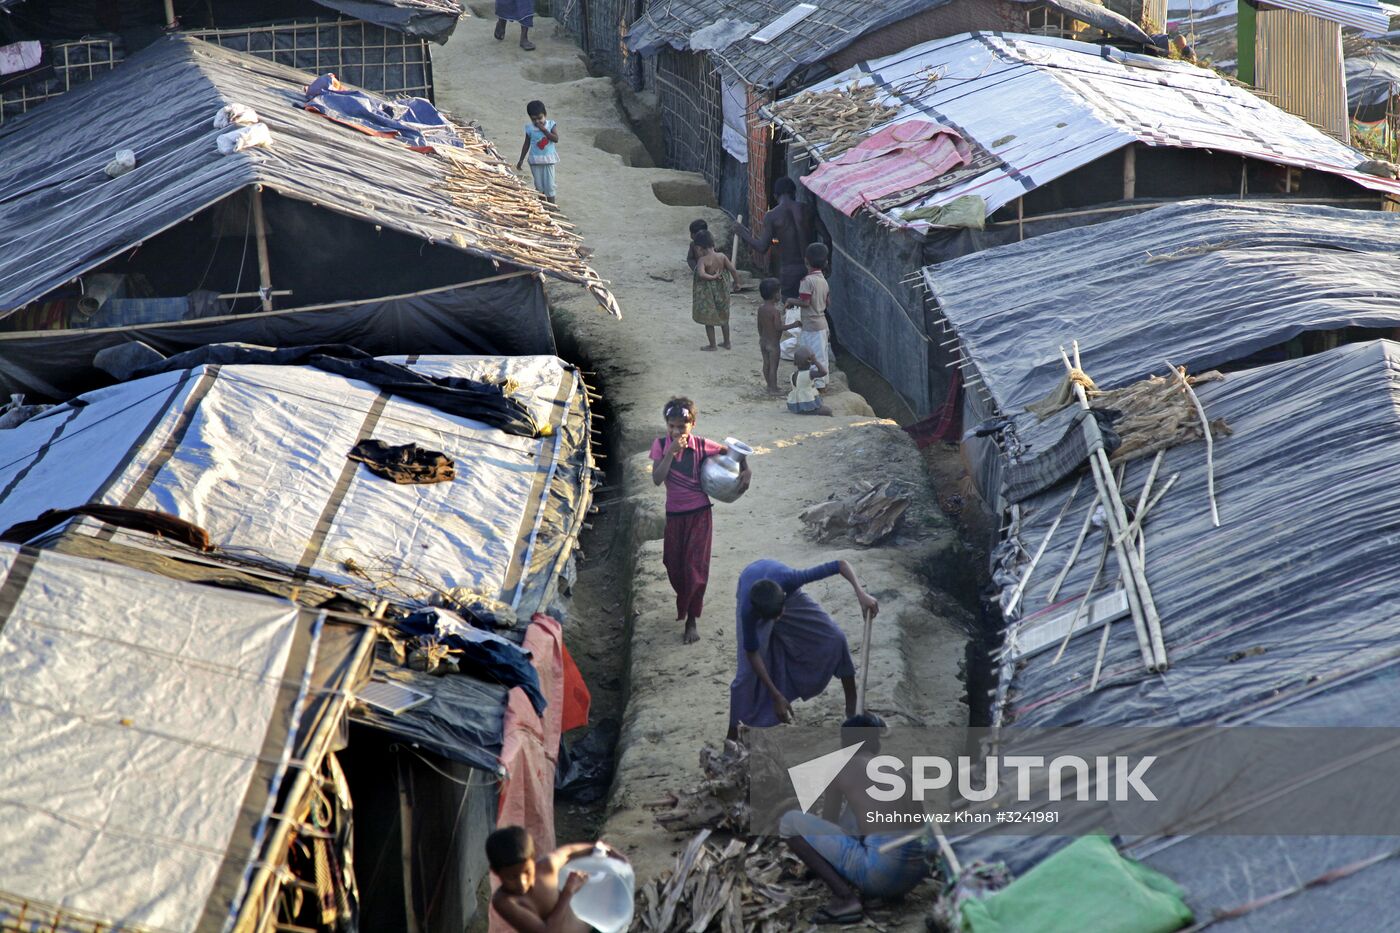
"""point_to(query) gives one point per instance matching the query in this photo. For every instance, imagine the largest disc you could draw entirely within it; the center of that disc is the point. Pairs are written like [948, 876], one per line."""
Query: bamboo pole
[734, 247]
[260, 228]
[1030, 568]
[1084, 602]
[1074, 552]
[1210, 441]
[1130, 172]
[1144, 612]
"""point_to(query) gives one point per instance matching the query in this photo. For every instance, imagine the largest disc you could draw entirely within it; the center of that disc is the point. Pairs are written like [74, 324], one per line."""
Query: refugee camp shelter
[379, 45]
[163, 743]
[398, 234]
[1213, 284]
[716, 64]
[1048, 133]
[600, 28]
[1372, 81]
[251, 446]
[1291, 50]
[1278, 617]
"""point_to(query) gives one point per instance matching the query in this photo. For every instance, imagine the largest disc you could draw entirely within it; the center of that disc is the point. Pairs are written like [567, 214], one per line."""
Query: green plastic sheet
[1085, 886]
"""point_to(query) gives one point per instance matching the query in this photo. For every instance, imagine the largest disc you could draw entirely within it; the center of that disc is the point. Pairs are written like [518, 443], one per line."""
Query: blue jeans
[858, 859]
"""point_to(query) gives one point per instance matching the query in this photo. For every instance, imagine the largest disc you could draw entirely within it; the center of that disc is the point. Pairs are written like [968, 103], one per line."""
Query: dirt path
[635, 219]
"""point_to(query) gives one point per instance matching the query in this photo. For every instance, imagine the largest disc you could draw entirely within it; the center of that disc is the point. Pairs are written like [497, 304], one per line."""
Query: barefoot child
[804, 399]
[813, 298]
[676, 461]
[770, 331]
[709, 303]
[541, 135]
[692, 254]
[530, 898]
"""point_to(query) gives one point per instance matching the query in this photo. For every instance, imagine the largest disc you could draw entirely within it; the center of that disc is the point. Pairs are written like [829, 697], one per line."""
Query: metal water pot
[719, 475]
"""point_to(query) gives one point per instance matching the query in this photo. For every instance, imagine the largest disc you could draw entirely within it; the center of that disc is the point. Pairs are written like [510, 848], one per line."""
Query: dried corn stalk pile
[734, 888]
[1156, 415]
[837, 119]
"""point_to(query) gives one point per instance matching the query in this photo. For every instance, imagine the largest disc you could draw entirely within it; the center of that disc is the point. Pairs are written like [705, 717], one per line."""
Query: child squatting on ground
[804, 399]
[676, 461]
[709, 302]
[541, 135]
[813, 297]
[530, 898]
[770, 331]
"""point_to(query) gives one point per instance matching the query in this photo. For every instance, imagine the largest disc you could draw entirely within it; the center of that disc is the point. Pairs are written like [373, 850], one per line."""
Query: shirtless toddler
[530, 898]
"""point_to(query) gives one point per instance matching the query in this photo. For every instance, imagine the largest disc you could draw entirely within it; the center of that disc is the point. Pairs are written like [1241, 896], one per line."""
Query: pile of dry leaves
[732, 887]
[867, 515]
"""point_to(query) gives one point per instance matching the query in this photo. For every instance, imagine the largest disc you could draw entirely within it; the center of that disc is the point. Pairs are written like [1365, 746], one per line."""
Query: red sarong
[686, 554]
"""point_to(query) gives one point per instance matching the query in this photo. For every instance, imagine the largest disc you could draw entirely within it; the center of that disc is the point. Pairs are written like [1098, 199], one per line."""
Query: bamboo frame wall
[760, 138]
[362, 54]
[73, 63]
[688, 93]
[1298, 65]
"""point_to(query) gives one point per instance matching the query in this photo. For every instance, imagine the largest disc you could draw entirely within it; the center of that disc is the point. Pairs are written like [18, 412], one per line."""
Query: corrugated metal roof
[835, 25]
[1365, 15]
[1044, 107]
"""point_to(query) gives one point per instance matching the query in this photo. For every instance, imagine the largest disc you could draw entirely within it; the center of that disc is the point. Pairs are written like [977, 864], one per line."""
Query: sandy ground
[635, 218]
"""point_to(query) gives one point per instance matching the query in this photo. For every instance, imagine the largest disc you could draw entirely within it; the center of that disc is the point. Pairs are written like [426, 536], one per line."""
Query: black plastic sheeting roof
[835, 25]
[1282, 616]
[60, 215]
[1372, 77]
[1200, 283]
[428, 19]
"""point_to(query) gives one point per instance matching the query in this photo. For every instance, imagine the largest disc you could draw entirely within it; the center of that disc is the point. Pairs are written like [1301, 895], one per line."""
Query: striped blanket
[900, 156]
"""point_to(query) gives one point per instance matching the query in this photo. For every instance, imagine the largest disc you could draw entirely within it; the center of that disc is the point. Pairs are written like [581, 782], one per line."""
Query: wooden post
[1130, 172]
[1020, 219]
[170, 14]
[264, 272]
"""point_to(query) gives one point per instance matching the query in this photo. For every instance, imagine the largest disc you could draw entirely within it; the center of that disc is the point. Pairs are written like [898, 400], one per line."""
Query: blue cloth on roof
[411, 119]
[484, 655]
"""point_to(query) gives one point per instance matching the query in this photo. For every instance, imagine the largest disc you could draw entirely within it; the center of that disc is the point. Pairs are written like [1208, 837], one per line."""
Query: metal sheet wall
[1298, 67]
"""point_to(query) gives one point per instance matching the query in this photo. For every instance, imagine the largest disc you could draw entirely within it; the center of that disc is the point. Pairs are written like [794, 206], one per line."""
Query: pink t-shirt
[683, 492]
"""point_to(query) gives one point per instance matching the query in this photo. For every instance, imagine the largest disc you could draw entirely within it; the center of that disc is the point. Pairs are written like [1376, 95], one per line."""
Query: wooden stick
[1098, 661]
[1135, 526]
[1074, 622]
[1074, 552]
[734, 248]
[1030, 568]
[1210, 441]
[864, 662]
[260, 228]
